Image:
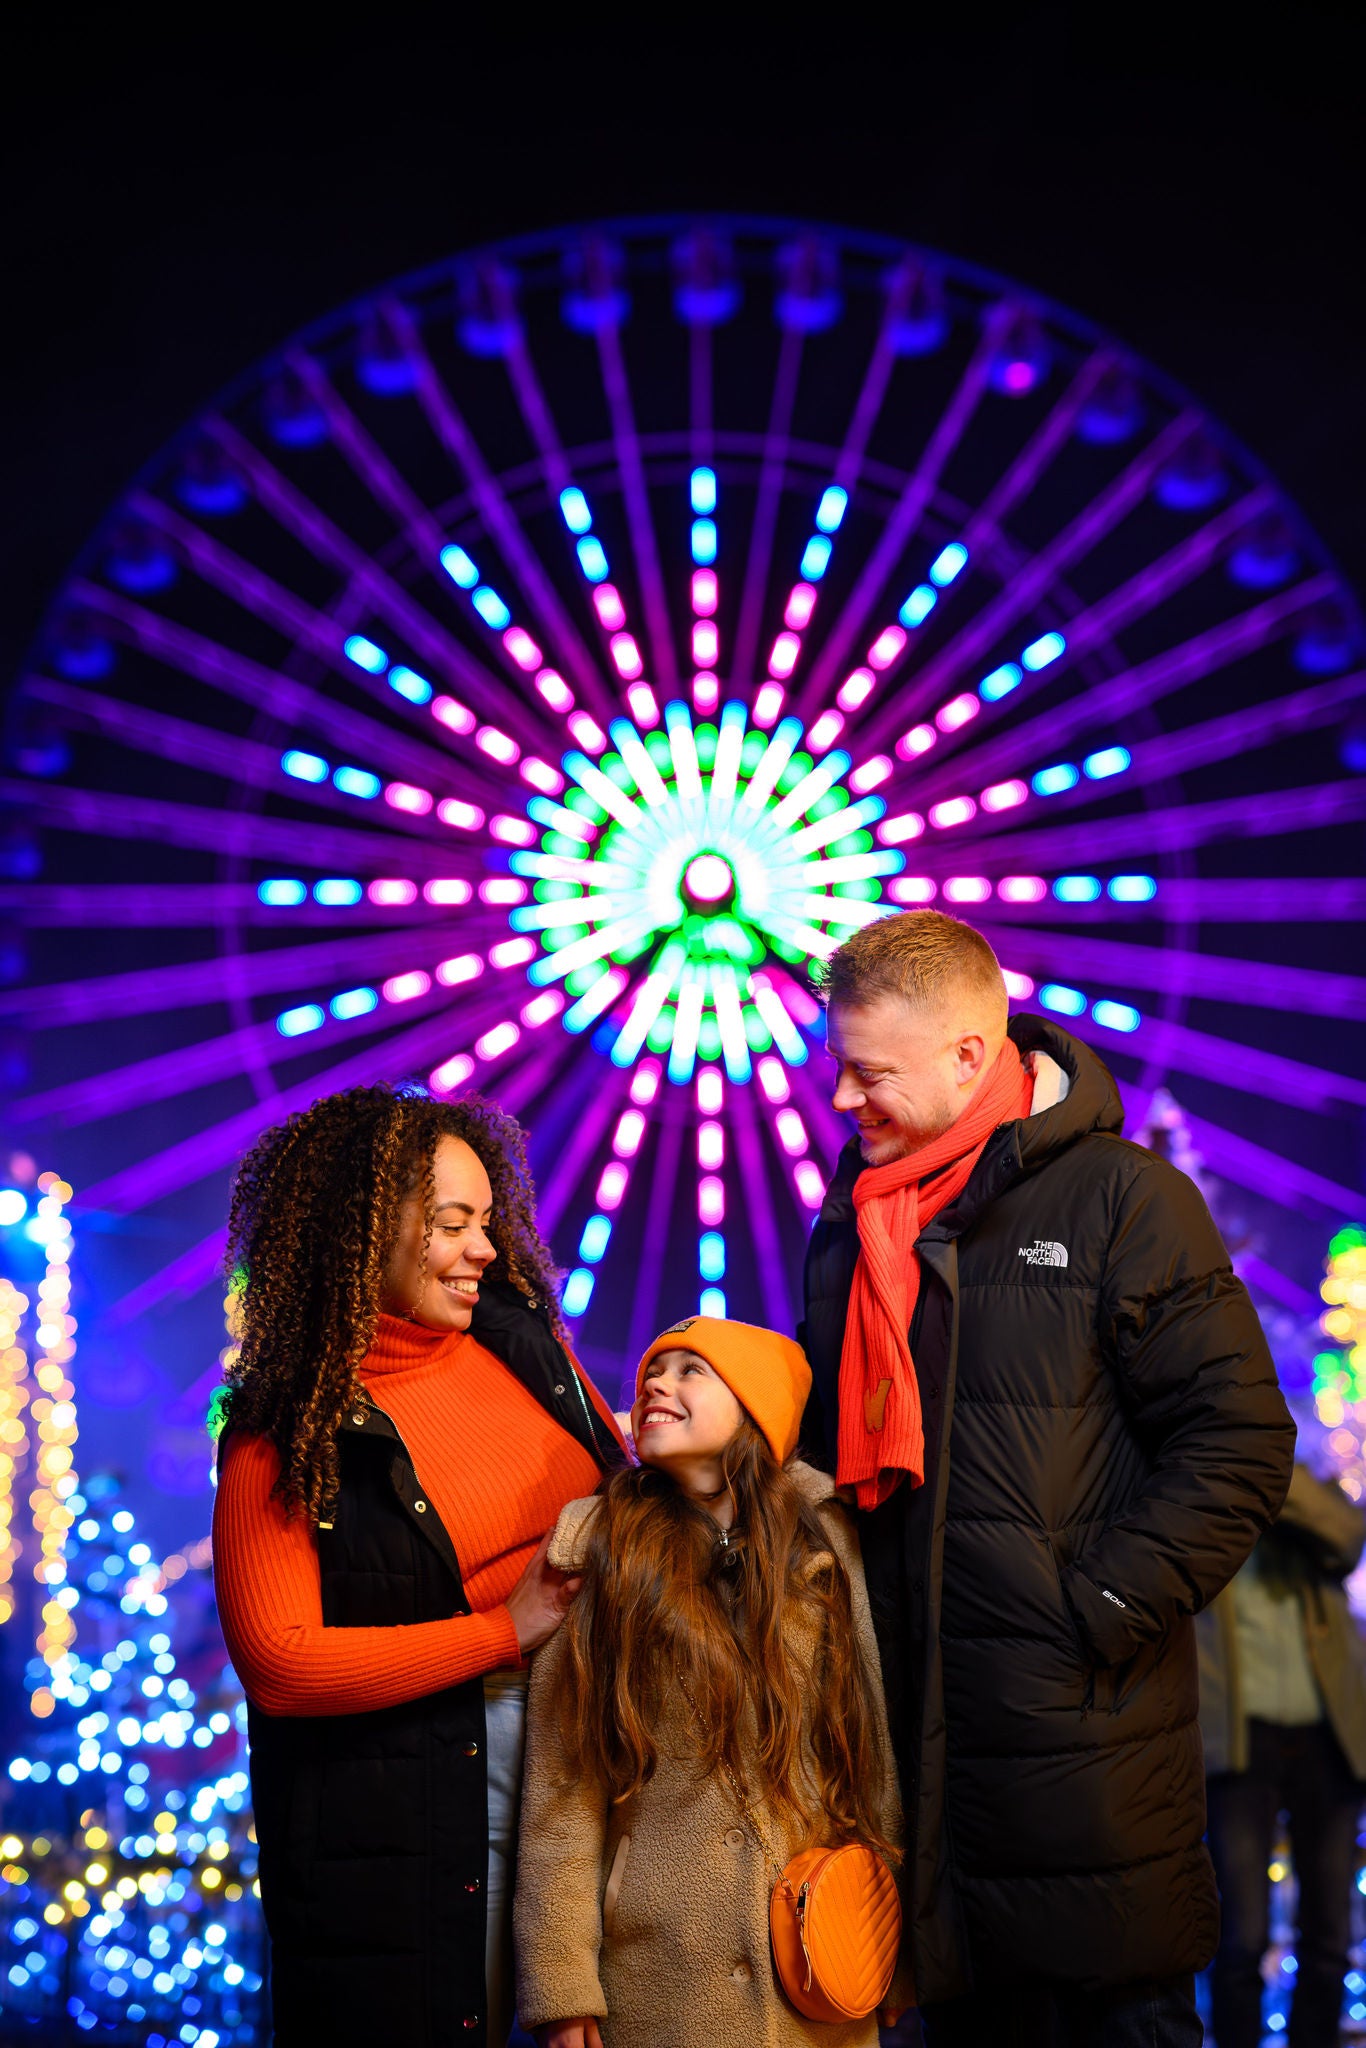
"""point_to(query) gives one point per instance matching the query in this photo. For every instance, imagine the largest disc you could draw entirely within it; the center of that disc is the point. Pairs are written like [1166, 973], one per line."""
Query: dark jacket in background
[1104, 1441]
[1329, 1533]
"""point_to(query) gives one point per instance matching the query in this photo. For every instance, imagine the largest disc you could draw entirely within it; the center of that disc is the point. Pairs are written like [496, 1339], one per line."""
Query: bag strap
[737, 1793]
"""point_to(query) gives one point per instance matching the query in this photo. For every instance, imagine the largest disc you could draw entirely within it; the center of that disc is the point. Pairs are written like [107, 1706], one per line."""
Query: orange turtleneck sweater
[495, 1466]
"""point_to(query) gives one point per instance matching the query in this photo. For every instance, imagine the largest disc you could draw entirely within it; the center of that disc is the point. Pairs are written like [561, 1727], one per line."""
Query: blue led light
[999, 683]
[365, 654]
[459, 567]
[574, 506]
[409, 684]
[592, 558]
[356, 782]
[948, 563]
[354, 1002]
[491, 608]
[1109, 761]
[816, 559]
[304, 767]
[1046, 648]
[1132, 888]
[281, 893]
[1052, 781]
[832, 507]
[1069, 1002]
[702, 491]
[578, 1291]
[1116, 1016]
[918, 605]
[596, 1232]
[1077, 888]
[13, 1205]
[711, 1255]
[293, 1023]
[712, 1302]
[704, 542]
[337, 889]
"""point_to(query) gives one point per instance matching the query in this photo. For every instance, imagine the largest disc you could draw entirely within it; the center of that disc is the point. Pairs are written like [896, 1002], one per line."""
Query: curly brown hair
[314, 1217]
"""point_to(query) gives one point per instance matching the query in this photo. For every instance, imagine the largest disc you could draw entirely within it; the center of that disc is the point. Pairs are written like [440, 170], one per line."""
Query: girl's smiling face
[442, 1295]
[685, 1414]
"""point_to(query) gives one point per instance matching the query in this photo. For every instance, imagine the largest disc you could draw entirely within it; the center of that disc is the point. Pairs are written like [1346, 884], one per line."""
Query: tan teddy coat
[653, 1916]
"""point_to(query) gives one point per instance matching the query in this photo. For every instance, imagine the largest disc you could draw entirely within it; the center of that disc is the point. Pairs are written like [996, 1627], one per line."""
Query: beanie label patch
[677, 1329]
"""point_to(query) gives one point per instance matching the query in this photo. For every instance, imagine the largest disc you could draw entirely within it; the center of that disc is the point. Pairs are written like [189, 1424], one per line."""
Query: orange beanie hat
[767, 1374]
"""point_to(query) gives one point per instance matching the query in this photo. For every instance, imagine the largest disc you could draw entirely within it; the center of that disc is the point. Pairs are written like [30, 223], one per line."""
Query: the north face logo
[1043, 1252]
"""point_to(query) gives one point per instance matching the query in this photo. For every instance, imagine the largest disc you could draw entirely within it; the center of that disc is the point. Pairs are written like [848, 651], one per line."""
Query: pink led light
[801, 602]
[825, 731]
[502, 889]
[1003, 796]
[512, 952]
[955, 810]
[612, 1184]
[626, 655]
[711, 1199]
[497, 745]
[711, 1091]
[464, 967]
[629, 1132]
[500, 1039]
[796, 1000]
[711, 1146]
[405, 988]
[555, 690]
[810, 1183]
[454, 715]
[896, 831]
[587, 732]
[644, 709]
[791, 1131]
[464, 817]
[855, 688]
[918, 740]
[1019, 376]
[704, 592]
[542, 1008]
[447, 889]
[451, 1074]
[887, 646]
[706, 643]
[768, 704]
[513, 831]
[542, 776]
[1022, 889]
[645, 1082]
[405, 797]
[522, 647]
[706, 692]
[912, 889]
[869, 774]
[773, 1079]
[783, 659]
[967, 889]
[958, 711]
[390, 889]
[609, 607]
[1017, 985]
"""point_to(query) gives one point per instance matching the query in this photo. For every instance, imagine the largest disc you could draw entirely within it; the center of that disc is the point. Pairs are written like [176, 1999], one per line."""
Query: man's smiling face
[904, 1075]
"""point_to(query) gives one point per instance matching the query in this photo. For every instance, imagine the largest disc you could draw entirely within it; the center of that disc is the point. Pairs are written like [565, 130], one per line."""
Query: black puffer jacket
[1104, 1441]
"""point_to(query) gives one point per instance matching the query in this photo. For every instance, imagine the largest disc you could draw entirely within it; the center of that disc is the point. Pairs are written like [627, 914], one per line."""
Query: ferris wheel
[521, 678]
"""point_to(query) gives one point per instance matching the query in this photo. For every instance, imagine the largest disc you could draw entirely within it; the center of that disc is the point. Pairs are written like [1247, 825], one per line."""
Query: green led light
[836, 799]
[576, 799]
[799, 766]
[757, 1034]
[704, 739]
[708, 1037]
[1349, 1240]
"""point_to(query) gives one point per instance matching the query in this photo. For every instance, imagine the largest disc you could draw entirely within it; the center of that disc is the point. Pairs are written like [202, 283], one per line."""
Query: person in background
[1283, 1716]
[403, 1426]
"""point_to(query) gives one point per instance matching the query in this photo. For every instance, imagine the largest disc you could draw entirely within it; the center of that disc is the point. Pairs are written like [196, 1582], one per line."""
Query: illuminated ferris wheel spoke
[1036, 457]
[754, 585]
[639, 520]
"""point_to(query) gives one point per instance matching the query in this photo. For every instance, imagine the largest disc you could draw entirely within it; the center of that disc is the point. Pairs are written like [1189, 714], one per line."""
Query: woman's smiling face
[444, 1295]
[684, 1411]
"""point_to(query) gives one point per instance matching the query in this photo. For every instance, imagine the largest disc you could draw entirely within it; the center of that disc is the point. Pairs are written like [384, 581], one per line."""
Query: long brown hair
[668, 1619]
[315, 1213]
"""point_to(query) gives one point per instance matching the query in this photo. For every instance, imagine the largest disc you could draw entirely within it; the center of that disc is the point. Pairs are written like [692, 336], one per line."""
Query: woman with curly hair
[401, 1428]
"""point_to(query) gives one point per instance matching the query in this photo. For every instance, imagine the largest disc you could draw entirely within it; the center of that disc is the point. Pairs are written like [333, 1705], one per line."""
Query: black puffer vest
[373, 1827]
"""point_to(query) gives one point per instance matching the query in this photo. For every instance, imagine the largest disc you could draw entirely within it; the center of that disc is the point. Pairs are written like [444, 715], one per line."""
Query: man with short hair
[1051, 1399]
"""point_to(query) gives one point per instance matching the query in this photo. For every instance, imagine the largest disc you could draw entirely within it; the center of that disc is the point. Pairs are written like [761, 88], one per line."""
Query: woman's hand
[538, 1604]
[569, 2034]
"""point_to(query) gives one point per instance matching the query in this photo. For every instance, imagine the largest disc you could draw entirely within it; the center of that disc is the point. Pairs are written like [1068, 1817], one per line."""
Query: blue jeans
[1157, 2014]
[505, 1727]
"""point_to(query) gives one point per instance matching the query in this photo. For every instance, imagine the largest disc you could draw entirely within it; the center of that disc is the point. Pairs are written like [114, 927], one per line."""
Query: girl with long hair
[401, 1427]
[712, 1702]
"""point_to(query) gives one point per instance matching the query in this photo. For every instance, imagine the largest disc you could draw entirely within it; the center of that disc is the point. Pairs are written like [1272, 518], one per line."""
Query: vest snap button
[359, 1419]
[470, 1748]
[559, 1390]
[421, 1506]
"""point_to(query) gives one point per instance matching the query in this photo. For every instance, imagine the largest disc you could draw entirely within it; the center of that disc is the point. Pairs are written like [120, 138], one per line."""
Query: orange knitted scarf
[881, 1437]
